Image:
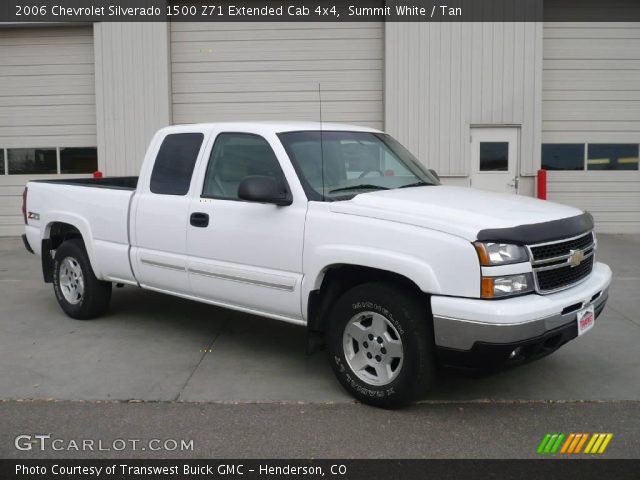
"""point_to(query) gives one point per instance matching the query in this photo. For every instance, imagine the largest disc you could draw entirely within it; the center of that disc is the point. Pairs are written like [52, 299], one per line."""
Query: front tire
[381, 347]
[80, 294]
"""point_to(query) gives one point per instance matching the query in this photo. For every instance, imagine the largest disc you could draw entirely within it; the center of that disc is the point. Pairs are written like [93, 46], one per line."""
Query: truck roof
[271, 126]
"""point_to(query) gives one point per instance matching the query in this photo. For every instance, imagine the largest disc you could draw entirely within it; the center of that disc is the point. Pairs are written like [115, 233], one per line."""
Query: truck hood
[458, 211]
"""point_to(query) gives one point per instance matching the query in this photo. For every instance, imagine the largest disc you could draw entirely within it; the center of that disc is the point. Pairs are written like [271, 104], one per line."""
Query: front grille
[557, 278]
[552, 250]
[557, 265]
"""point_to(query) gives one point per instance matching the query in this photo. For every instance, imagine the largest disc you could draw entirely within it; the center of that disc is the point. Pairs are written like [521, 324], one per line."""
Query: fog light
[515, 353]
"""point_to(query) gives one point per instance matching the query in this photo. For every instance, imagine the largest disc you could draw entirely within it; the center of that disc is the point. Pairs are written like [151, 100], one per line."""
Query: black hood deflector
[539, 232]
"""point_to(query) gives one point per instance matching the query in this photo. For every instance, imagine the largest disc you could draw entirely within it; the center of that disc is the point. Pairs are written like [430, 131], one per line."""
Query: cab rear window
[174, 164]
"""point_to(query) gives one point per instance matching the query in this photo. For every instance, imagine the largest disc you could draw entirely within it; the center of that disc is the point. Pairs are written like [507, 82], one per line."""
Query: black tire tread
[97, 295]
[418, 377]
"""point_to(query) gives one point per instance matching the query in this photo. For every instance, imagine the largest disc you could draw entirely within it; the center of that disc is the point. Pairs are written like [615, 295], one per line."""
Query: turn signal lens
[487, 287]
[482, 253]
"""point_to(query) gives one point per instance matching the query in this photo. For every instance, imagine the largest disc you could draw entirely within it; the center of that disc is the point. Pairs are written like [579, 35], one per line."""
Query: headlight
[498, 287]
[491, 253]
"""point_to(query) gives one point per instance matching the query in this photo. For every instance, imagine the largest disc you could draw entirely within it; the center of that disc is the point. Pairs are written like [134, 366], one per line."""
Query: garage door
[262, 71]
[47, 111]
[591, 120]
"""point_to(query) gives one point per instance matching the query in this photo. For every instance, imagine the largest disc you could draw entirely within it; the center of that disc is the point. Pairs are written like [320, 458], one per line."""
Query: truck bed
[115, 183]
[98, 208]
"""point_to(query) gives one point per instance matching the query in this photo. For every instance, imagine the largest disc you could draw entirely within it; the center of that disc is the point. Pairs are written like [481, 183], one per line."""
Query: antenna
[321, 140]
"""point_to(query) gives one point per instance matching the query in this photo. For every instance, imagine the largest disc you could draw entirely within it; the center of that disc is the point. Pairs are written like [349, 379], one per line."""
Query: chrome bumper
[462, 334]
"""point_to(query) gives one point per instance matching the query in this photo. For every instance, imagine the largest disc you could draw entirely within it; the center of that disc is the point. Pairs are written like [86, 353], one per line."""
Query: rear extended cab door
[160, 210]
[247, 255]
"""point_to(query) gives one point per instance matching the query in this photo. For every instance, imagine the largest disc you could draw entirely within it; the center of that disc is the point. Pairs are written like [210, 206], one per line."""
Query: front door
[494, 157]
[244, 254]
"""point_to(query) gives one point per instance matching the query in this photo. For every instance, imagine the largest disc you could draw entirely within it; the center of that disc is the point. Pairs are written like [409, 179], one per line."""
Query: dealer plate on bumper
[586, 320]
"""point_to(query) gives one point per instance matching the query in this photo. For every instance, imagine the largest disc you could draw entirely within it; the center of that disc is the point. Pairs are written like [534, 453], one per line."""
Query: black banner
[86, 11]
[583, 469]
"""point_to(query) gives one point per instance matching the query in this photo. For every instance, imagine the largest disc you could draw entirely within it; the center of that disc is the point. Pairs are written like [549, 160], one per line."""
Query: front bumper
[480, 334]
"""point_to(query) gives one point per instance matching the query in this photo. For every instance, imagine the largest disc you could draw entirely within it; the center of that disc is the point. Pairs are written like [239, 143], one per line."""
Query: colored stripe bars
[574, 442]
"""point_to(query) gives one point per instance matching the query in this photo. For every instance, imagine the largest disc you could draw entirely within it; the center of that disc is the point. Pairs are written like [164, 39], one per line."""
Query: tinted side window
[234, 157]
[175, 162]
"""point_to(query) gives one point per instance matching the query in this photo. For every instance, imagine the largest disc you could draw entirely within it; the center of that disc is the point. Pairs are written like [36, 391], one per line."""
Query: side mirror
[434, 173]
[263, 189]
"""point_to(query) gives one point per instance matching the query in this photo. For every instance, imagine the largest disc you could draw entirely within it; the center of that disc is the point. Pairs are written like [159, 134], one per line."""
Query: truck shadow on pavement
[252, 358]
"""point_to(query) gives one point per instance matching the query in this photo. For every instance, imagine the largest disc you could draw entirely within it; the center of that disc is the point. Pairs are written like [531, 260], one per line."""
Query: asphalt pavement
[316, 430]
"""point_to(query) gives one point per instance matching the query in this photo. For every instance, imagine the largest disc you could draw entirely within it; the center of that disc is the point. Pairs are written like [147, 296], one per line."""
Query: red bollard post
[97, 174]
[542, 184]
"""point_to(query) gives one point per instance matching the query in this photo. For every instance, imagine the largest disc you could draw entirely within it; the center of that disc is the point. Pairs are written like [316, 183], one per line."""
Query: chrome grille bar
[568, 253]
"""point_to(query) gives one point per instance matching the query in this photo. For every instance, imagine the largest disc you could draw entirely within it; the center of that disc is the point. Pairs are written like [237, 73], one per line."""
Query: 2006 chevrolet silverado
[336, 228]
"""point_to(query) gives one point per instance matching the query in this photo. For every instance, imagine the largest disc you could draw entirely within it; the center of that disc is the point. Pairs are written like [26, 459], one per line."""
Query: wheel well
[340, 278]
[59, 232]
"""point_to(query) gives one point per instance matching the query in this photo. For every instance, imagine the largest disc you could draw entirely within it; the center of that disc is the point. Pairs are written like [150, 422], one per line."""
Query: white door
[245, 254]
[494, 159]
[159, 250]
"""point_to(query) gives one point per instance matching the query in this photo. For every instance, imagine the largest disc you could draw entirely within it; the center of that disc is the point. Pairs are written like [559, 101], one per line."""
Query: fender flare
[414, 269]
[80, 224]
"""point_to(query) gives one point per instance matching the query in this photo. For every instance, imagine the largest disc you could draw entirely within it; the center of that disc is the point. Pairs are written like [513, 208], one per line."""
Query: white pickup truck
[336, 228]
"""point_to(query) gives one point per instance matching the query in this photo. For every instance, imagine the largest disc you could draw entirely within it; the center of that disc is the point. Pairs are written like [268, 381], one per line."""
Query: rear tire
[80, 294]
[380, 343]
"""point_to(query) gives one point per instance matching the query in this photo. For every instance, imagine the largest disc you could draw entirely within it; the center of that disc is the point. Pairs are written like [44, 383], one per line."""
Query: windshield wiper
[417, 184]
[358, 187]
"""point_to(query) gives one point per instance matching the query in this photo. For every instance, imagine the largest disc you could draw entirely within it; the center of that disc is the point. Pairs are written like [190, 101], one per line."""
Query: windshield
[345, 164]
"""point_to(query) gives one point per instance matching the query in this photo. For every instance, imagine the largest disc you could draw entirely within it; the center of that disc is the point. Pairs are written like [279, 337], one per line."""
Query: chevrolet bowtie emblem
[575, 257]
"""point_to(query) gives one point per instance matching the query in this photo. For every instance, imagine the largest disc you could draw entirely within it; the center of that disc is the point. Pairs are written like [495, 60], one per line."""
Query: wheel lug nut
[378, 358]
[369, 355]
[370, 337]
[365, 345]
[383, 350]
[379, 339]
